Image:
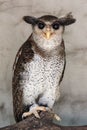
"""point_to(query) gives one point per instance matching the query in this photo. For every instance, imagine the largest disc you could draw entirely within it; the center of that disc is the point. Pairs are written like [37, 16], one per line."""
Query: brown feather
[25, 56]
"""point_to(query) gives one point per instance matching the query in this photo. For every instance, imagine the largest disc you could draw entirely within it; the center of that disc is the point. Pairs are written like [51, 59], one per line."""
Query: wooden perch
[44, 123]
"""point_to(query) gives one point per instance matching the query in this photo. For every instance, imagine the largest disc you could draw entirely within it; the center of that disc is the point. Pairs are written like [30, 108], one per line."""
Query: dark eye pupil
[56, 26]
[41, 25]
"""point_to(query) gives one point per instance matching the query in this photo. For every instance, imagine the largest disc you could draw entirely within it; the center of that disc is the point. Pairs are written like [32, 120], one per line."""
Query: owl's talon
[36, 115]
[57, 117]
[34, 112]
[25, 114]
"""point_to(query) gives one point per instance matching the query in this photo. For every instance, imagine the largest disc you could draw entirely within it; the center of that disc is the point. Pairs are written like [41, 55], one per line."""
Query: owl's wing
[25, 54]
[17, 56]
[64, 55]
[61, 78]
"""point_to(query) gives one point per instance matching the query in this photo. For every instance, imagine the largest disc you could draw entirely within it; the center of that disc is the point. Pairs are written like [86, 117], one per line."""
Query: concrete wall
[72, 106]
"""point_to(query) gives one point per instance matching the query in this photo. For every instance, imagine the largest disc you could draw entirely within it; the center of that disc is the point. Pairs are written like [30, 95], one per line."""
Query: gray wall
[72, 106]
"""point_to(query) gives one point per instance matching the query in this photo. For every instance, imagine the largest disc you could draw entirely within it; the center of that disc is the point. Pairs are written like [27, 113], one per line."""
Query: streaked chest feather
[41, 73]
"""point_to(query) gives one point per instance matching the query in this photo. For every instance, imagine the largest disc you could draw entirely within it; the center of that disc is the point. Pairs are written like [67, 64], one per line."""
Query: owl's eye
[55, 26]
[41, 25]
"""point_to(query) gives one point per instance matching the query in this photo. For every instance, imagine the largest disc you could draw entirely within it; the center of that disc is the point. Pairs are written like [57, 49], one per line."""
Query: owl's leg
[48, 100]
[51, 111]
[34, 110]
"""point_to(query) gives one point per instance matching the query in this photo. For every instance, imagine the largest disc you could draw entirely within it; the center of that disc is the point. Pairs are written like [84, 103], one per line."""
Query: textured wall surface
[72, 106]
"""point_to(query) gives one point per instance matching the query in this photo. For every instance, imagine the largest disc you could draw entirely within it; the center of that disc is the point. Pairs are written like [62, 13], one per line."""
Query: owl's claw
[55, 115]
[34, 111]
[26, 114]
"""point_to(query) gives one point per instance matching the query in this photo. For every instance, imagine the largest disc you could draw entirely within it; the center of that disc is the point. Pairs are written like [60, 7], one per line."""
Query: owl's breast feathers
[26, 54]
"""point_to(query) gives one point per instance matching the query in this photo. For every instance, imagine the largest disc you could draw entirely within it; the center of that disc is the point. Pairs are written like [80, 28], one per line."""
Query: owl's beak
[47, 35]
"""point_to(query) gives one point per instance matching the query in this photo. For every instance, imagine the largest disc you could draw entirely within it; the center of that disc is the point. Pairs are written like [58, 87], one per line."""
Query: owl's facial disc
[48, 29]
[48, 35]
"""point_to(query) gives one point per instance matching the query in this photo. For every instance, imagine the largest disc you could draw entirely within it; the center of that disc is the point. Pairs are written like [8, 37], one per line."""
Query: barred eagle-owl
[39, 66]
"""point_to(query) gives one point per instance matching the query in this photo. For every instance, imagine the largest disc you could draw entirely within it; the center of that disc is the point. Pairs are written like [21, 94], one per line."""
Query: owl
[39, 66]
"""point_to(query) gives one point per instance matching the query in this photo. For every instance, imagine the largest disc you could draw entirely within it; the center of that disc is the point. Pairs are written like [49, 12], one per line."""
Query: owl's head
[48, 29]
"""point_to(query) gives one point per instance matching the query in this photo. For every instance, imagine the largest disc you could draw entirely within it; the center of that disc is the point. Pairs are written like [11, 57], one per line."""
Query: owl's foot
[34, 110]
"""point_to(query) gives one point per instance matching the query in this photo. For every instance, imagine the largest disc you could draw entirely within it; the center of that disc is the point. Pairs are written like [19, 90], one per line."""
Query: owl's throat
[48, 46]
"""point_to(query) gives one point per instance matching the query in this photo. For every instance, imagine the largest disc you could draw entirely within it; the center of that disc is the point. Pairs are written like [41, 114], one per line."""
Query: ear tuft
[67, 20]
[30, 20]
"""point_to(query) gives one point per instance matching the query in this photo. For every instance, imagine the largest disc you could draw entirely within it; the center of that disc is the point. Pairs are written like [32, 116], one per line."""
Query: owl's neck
[49, 50]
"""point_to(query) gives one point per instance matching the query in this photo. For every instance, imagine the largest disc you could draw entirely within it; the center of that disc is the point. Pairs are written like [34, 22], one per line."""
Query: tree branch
[44, 123]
